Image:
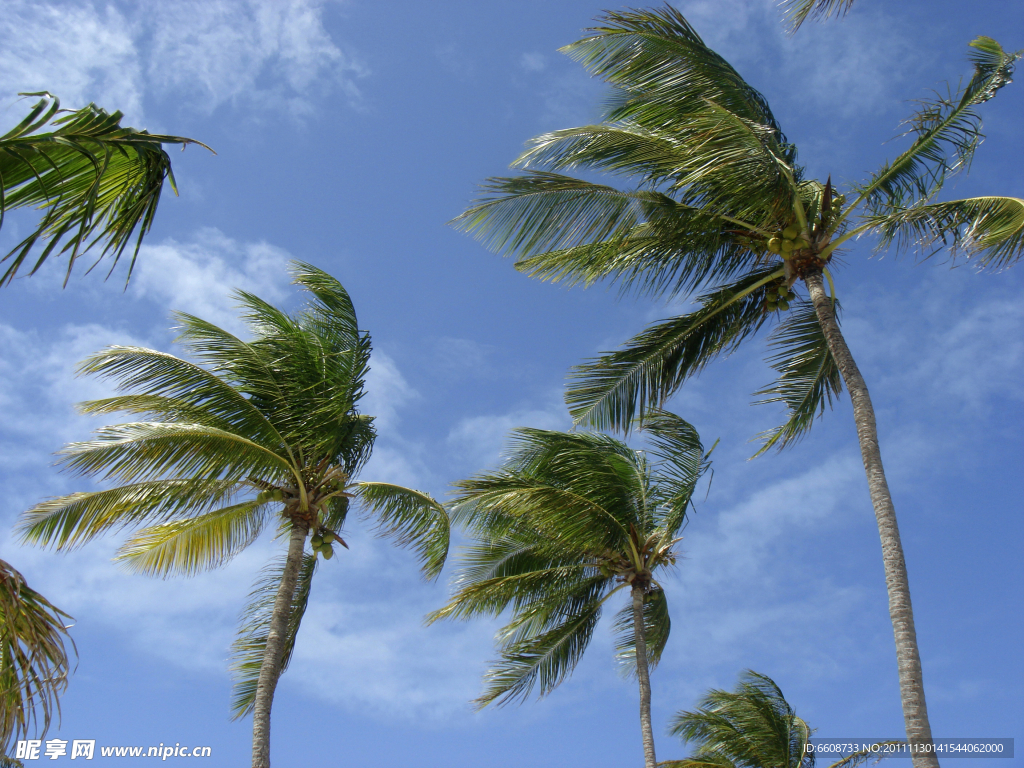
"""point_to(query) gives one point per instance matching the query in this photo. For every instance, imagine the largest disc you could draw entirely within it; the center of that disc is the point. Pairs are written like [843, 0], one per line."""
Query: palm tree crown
[255, 433]
[569, 520]
[96, 181]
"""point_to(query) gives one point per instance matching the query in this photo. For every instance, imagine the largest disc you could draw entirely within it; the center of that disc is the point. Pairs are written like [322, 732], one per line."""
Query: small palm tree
[94, 180]
[256, 433]
[34, 662]
[568, 521]
[751, 727]
[721, 206]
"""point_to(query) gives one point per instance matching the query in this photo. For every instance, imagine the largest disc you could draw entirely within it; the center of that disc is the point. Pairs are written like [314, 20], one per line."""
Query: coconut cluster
[778, 297]
[790, 239]
[322, 544]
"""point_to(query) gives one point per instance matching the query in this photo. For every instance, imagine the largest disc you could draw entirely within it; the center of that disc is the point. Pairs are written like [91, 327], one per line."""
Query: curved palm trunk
[908, 660]
[270, 669]
[643, 675]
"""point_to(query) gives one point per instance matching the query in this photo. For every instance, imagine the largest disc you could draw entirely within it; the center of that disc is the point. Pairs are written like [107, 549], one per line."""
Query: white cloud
[479, 439]
[386, 392]
[533, 62]
[198, 277]
[267, 53]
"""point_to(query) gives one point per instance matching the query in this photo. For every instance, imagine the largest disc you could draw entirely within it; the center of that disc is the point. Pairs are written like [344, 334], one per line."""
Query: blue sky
[347, 134]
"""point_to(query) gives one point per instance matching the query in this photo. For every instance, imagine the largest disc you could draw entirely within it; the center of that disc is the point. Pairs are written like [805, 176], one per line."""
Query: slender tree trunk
[644, 676]
[908, 660]
[270, 669]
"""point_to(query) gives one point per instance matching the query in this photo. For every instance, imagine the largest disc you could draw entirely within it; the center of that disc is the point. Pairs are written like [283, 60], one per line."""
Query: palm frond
[94, 180]
[412, 519]
[657, 626]
[798, 11]
[248, 648]
[149, 450]
[159, 374]
[809, 378]
[34, 662]
[947, 130]
[663, 68]
[682, 462]
[187, 547]
[543, 660]
[989, 231]
[609, 392]
[67, 522]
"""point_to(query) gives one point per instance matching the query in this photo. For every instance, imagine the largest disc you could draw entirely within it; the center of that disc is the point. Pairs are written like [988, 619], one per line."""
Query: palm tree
[255, 433]
[752, 727]
[721, 206]
[94, 180]
[34, 662]
[569, 520]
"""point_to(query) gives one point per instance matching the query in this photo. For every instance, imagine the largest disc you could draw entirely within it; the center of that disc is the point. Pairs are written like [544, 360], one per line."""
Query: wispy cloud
[261, 53]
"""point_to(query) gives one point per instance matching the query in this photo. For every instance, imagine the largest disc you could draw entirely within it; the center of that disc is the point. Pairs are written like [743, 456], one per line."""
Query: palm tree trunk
[908, 660]
[270, 669]
[644, 676]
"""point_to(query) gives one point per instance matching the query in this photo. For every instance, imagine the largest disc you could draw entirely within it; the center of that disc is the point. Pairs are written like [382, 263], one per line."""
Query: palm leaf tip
[799, 11]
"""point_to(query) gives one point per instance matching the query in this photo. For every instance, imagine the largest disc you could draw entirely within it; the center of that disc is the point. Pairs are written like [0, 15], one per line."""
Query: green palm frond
[34, 663]
[808, 380]
[988, 230]
[67, 522]
[657, 626]
[662, 67]
[187, 547]
[798, 11]
[751, 727]
[412, 519]
[94, 181]
[543, 660]
[248, 648]
[682, 463]
[706, 761]
[612, 390]
[947, 130]
[149, 450]
[159, 374]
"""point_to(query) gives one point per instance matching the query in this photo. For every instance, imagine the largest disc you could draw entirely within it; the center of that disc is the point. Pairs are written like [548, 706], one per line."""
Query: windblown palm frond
[947, 130]
[34, 663]
[94, 180]
[989, 231]
[609, 391]
[808, 380]
[657, 626]
[412, 519]
[248, 648]
[798, 11]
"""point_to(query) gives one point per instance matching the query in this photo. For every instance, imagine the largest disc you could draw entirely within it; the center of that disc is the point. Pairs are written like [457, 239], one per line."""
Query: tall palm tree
[253, 434]
[751, 727]
[720, 205]
[94, 180]
[568, 521]
[34, 661]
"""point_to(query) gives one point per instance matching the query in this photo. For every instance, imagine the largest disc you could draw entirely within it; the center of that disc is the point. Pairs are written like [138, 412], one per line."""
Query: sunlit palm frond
[808, 379]
[248, 648]
[200, 543]
[149, 450]
[611, 391]
[664, 69]
[681, 464]
[989, 231]
[94, 181]
[947, 130]
[160, 374]
[657, 626]
[542, 660]
[798, 11]
[67, 522]
[34, 661]
[411, 519]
